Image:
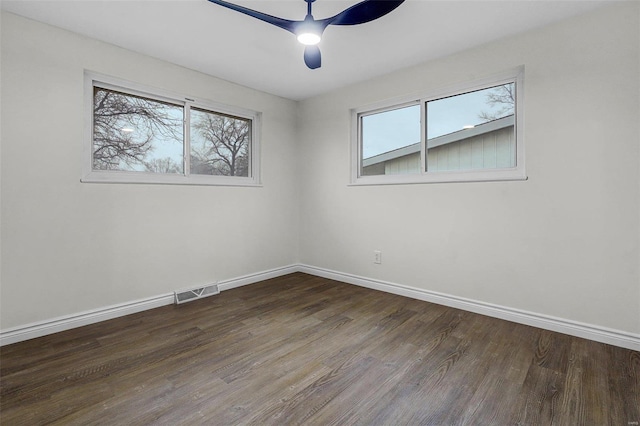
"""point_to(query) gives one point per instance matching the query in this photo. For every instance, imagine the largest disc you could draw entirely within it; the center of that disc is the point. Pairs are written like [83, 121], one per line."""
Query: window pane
[220, 144]
[391, 142]
[132, 133]
[471, 131]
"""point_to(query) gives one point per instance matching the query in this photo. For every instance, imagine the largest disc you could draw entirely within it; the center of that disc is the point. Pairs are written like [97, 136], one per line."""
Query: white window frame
[89, 175]
[515, 75]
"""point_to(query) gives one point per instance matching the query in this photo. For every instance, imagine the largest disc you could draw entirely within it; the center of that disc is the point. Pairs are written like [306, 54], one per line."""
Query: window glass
[474, 130]
[132, 133]
[137, 134]
[219, 144]
[391, 134]
[469, 132]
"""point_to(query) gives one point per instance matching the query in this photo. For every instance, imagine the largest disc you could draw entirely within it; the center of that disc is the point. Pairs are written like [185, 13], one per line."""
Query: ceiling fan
[309, 31]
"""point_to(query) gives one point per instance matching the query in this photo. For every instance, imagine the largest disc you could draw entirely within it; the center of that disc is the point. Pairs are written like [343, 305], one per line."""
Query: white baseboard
[560, 325]
[257, 277]
[43, 328]
[573, 328]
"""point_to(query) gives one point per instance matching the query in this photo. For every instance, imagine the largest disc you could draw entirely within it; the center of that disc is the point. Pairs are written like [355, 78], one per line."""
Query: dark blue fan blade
[285, 24]
[362, 12]
[312, 57]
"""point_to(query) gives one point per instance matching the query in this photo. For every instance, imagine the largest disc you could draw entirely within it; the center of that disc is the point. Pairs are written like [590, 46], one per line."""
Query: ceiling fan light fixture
[309, 38]
[309, 31]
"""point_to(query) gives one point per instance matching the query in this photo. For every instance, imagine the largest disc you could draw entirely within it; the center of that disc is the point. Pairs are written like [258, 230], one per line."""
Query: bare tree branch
[125, 127]
[504, 96]
[163, 165]
[220, 144]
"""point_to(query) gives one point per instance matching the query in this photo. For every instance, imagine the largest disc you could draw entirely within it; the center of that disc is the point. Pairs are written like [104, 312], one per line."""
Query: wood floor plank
[399, 403]
[624, 385]
[539, 398]
[586, 374]
[505, 364]
[304, 404]
[301, 349]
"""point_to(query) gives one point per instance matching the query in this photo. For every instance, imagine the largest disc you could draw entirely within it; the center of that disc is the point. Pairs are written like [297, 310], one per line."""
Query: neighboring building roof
[489, 126]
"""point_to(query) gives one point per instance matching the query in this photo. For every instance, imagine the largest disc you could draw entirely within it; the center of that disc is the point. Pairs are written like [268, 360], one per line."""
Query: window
[139, 135]
[468, 133]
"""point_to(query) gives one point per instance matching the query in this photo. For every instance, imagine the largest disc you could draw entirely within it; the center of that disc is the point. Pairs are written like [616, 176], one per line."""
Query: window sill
[442, 177]
[154, 179]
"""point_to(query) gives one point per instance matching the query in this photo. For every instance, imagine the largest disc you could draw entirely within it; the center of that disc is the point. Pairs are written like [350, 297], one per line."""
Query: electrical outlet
[377, 256]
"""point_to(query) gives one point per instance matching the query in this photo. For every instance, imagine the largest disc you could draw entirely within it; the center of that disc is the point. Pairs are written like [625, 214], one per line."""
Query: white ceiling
[206, 37]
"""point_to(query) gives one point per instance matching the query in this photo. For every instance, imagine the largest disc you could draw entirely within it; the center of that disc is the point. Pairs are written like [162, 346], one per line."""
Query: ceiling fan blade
[362, 12]
[285, 24]
[312, 57]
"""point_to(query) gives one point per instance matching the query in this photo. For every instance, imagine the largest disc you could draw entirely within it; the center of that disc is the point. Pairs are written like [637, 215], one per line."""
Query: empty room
[323, 212]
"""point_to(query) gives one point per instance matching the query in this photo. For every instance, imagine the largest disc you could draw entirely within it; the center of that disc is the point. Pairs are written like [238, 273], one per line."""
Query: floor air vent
[183, 296]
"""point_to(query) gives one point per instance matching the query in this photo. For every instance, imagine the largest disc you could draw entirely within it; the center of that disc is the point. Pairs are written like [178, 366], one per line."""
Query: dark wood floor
[306, 350]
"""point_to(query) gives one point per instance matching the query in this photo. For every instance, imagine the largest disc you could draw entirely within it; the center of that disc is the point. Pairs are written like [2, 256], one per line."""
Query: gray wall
[69, 247]
[564, 243]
